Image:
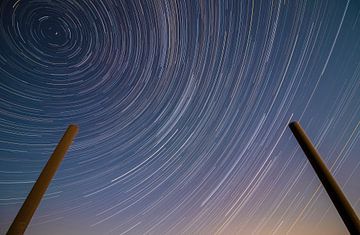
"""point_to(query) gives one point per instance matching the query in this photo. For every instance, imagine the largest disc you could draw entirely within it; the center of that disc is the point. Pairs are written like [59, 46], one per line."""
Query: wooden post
[32, 201]
[334, 191]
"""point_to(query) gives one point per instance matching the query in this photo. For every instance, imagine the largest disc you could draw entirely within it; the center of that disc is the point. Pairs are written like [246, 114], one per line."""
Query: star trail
[183, 109]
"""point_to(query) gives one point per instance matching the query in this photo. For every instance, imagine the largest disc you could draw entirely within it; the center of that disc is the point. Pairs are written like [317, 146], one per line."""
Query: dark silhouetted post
[342, 205]
[32, 201]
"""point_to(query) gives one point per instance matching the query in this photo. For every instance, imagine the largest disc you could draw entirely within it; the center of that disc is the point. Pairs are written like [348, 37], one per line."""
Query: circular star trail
[183, 109]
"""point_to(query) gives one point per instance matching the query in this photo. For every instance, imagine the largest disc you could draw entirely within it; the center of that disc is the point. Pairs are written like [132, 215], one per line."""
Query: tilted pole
[32, 201]
[334, 191]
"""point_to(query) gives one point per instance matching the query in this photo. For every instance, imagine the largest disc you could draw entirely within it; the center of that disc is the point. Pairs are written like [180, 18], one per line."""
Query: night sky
[183, 109]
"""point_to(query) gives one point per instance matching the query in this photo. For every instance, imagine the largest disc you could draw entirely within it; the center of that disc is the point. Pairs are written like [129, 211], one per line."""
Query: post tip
[293, 124]
[73, 127]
